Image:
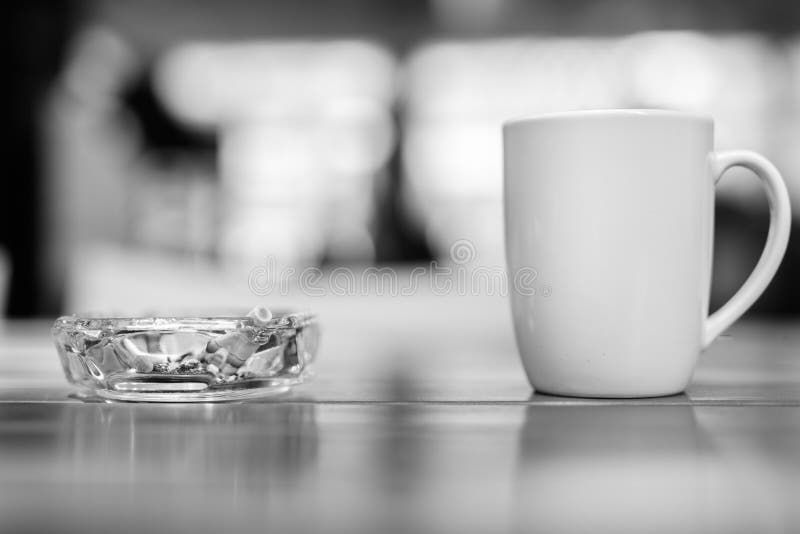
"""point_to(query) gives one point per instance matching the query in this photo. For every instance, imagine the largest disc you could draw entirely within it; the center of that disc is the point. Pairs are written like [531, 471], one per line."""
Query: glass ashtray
[171, 359]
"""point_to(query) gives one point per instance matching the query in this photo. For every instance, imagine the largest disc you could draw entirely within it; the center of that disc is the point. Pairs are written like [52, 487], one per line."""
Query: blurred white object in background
[271, 195]
[304, 130]
[459, 93]
[734, 78]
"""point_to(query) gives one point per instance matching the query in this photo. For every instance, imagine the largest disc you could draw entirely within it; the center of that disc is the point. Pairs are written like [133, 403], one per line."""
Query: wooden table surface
[419, 419]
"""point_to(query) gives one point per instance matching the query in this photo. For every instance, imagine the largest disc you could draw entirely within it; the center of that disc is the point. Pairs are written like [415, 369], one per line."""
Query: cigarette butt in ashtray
[235, 348]
[259, 364]
[136, 358]
[260, 314]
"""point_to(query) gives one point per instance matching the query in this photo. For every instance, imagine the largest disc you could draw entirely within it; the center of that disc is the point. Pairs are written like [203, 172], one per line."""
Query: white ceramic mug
[614, 211]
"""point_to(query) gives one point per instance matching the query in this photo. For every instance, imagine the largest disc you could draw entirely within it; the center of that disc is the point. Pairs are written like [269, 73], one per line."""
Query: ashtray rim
[281, 320]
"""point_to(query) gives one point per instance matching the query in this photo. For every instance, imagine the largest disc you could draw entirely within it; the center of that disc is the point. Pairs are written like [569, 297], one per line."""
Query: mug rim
[607, 113]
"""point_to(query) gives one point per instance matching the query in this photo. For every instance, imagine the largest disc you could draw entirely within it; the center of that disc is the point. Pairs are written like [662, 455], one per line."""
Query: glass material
[167, 359]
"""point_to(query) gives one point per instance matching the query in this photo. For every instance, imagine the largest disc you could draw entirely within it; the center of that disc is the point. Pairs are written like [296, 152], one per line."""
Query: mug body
[613, 212]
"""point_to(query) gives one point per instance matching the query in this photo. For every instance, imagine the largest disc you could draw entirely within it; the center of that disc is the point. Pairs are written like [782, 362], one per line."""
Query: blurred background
[157, 153]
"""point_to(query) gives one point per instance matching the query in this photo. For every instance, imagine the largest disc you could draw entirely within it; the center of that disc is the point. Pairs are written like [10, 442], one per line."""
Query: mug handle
[780, 220]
